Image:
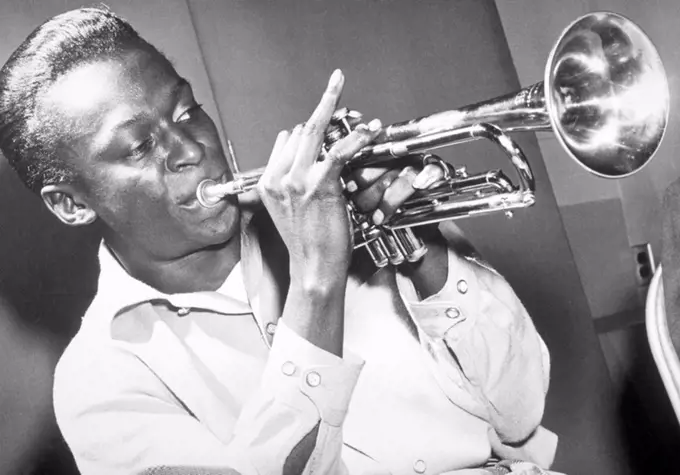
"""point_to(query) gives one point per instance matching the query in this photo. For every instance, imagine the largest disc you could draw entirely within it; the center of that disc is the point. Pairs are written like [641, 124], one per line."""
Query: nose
[183, 150]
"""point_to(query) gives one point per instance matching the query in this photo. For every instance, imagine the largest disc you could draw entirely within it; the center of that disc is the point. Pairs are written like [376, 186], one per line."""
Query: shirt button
[462, 286]
[183, 312]
[419, 466]
[271, 328]
[452, 312]
[313, 379]
[288, 368]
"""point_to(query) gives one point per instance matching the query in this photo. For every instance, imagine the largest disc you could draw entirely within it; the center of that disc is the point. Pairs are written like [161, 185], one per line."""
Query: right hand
[304, 196]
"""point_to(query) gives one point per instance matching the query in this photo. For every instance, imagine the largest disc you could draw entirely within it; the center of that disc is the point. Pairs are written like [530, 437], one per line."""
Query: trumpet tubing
[604, 95]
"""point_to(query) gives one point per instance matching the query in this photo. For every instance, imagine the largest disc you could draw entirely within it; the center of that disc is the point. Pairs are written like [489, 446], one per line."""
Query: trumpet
[604, 95]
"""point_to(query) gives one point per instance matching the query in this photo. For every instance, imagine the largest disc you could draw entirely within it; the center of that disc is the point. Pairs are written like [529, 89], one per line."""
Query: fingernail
[335, 79]
[378, 217]
[374, 125]
[361, 127]
[423, 181]
[351, 186]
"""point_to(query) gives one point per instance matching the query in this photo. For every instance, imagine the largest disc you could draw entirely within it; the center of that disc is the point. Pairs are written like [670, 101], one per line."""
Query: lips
[189, 199]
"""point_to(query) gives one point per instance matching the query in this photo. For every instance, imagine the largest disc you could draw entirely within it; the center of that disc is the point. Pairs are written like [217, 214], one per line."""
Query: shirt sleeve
[483, 347]
[118, 417]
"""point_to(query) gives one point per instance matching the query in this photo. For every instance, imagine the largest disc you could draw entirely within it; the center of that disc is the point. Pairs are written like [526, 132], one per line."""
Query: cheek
[123, 196]
[206, 133]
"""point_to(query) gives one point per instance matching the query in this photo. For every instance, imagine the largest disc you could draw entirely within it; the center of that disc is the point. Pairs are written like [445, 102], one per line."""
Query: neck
[202, 270]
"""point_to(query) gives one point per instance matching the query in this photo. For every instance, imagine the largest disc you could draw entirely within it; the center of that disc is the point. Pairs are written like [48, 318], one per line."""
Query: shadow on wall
[648, 423]
[48, 275]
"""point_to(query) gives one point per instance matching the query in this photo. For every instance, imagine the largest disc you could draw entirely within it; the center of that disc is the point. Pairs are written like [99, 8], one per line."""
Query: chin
[223, 226]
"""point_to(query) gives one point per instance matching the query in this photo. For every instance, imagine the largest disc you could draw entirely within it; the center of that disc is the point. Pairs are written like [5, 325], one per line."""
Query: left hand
[379, 191]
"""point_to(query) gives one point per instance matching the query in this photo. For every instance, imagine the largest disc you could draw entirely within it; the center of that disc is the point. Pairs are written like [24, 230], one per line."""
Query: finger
[395, 195]
[428, 176]
[362, 178]
[282, 154]
[315, 128]
[368, 200]
[281, 140]
[344, 149]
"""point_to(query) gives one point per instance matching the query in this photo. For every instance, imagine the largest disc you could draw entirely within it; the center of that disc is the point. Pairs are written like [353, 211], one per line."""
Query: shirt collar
[118, 291]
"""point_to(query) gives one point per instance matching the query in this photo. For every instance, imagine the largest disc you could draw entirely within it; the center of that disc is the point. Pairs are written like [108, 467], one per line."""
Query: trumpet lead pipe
[209, 192]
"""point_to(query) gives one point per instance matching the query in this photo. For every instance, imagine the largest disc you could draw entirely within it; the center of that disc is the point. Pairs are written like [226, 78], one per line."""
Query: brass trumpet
[604, 94]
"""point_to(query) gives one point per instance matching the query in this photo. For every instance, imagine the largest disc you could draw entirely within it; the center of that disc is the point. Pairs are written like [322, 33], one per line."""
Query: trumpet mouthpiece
[209, 192]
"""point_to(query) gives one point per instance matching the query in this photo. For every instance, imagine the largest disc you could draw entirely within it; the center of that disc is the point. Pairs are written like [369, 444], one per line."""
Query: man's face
[140, 144]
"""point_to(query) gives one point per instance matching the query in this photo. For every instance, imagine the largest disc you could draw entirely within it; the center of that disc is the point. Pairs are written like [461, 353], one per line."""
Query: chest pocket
[399, 416]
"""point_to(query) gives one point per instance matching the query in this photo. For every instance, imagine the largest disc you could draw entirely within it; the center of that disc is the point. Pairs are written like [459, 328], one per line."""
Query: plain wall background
[267, 63]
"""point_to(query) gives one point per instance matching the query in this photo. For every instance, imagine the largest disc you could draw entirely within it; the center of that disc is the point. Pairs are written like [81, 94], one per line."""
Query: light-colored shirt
[214, 382]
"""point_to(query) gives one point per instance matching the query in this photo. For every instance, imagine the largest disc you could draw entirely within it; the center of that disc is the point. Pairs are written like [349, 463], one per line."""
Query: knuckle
[347, 146]
[292, 186]
[365, 137]
[310, 129]
[358, 139]
[266, 187]
[334, 154]
[387, 179]
[265, 184]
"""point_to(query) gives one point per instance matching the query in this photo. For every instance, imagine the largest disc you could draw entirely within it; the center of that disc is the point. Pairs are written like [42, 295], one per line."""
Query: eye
[189, 113]
[141, 148]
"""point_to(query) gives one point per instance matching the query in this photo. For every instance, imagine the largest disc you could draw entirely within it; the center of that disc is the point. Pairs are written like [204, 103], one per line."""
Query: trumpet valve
[410, 245]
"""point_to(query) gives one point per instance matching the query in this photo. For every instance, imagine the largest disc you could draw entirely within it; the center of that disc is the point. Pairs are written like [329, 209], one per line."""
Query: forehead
[87, 94]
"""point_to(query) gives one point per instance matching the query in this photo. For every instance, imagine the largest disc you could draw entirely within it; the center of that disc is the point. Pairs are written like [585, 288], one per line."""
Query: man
[238, 340]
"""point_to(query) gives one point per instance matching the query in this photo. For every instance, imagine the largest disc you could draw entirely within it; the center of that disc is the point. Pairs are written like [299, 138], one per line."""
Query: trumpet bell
[606, 94]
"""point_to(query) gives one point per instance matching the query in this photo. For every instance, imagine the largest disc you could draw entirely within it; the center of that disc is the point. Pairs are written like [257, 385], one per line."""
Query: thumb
[250, 200]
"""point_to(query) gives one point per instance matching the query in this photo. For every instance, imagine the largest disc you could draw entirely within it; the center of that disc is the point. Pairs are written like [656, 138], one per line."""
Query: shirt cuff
[540, 448]
[295, 365]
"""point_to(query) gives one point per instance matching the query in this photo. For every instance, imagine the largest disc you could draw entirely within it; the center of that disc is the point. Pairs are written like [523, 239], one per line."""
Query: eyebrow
[175, 91]
[99, 141]
[179, 85]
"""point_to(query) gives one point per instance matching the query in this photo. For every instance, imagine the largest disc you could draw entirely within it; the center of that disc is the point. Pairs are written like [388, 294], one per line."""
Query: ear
[67, 205]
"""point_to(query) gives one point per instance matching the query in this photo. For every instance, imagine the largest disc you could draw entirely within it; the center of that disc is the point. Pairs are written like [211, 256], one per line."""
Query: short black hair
[53, 49]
